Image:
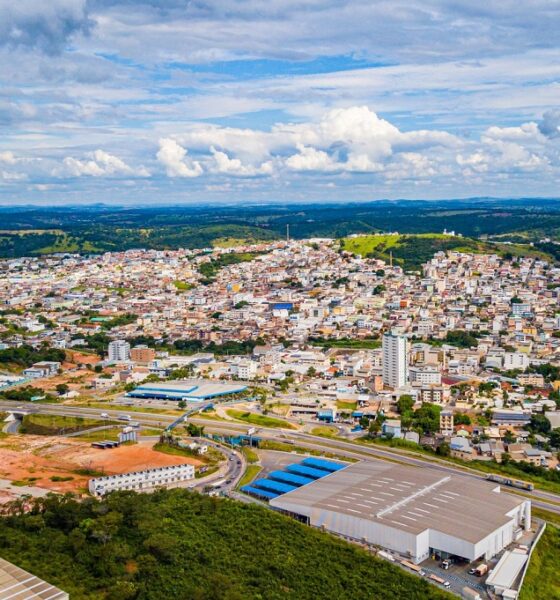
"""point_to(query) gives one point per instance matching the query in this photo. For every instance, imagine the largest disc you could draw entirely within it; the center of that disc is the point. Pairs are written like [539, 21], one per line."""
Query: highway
[542, 499]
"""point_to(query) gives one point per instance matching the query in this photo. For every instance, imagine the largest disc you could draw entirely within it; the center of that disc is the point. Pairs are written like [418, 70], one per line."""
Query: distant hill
[180, 544]
[32, 231]
[411, 251]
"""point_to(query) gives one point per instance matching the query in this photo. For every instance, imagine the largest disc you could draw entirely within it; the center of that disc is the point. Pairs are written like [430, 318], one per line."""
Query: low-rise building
[142, 481]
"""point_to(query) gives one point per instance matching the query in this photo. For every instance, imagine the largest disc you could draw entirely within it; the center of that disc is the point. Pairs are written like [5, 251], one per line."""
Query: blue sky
[164, 101]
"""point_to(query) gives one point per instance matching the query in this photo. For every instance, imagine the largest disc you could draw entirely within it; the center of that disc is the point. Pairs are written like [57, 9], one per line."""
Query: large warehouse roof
[17, 584]
[189, 390]
[410, 499]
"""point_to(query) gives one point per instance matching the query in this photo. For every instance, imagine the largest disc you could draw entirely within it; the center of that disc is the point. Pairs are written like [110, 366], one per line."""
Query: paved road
[542, 499]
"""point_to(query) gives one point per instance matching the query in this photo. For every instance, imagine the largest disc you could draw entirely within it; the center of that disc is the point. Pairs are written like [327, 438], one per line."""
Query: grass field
[341, 405]
[324, 431]
[542, 580]
[411, 251]
[250, 473]
[250, 454]
[260, 420]
[56, 424]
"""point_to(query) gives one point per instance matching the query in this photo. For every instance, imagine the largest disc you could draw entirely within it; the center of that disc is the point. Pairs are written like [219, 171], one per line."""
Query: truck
[481, 570]
[468, 593]
[412, 567]
[439, 580]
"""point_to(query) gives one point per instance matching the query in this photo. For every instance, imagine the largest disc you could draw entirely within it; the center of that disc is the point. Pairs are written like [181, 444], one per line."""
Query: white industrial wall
[495, 542]
[364, 529]
[417, 546]
[452, 545]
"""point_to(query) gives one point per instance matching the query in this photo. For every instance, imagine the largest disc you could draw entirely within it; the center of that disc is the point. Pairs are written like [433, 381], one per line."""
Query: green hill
[180, 544]
[411, 251]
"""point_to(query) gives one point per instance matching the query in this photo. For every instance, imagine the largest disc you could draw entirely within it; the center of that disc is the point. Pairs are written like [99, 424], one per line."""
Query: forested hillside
[181, 545]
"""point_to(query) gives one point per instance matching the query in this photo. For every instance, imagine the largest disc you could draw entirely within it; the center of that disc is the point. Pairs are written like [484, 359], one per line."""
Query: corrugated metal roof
[289, 478]
[306, 471]
[406, 498]
[17, 584]
[324, 465]
[248, 489]
[275, 486]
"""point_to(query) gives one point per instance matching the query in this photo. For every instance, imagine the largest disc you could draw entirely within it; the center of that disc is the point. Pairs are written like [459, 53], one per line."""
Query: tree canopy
[180, 544]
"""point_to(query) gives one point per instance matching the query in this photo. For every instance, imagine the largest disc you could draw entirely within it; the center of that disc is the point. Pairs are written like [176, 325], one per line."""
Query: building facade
[395, 360]
[142, 481]
[118, 351]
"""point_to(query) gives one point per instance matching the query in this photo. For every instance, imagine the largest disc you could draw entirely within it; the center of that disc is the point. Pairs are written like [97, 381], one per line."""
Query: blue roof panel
[321, 463]
[306, 471]
[248, 489]
[289, 478]
[273, 486]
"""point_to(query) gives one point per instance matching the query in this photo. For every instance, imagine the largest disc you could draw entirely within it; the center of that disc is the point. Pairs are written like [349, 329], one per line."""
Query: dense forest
[33, 230]
[182, 545]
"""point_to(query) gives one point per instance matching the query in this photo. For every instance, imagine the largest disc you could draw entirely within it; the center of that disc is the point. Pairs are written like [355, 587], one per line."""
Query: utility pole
[391, 259]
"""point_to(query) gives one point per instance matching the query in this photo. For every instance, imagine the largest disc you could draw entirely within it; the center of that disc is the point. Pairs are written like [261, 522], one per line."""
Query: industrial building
[142, 480]
[195, 391]
[415, 512]
[17, 584]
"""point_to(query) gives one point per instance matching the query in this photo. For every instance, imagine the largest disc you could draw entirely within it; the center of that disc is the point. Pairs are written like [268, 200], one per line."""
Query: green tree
[539, 424]
[405, 403]
[62, 388]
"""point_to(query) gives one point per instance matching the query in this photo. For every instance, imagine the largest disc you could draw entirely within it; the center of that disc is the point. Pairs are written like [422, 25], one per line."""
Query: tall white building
[119, 351]
[395, 360]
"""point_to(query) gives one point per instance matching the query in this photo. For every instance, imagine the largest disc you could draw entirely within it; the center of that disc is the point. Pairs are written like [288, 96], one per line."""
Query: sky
[232, 101]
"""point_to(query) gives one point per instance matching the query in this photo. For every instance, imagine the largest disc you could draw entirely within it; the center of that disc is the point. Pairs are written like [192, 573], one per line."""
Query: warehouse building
[195, 391]
[17, 584]
[415, 512]
[142, 481]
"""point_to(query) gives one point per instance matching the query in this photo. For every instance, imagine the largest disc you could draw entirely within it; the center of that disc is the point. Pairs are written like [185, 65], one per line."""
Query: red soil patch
[43, 457]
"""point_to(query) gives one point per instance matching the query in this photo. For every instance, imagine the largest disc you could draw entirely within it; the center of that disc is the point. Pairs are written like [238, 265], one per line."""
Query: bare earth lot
[35, 459]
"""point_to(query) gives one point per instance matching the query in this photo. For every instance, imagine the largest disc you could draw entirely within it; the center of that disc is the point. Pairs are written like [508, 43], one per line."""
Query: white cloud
[100, 164]
[8, 157]
[310, 159]
[173, 157]
[234, 166]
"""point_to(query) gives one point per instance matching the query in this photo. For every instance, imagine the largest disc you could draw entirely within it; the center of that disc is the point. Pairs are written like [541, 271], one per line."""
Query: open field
[40, 458]
[38, 424]
[259, 420]
[250, 474]
[324, 431]
[411, 251]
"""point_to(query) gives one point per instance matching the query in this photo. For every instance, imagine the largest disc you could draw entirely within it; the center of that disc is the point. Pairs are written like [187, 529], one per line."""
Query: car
[104, 416]
[472, 571]
[124, 417]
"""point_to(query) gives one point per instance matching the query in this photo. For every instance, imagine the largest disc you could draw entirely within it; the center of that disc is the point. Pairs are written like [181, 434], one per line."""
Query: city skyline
[143, 102]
